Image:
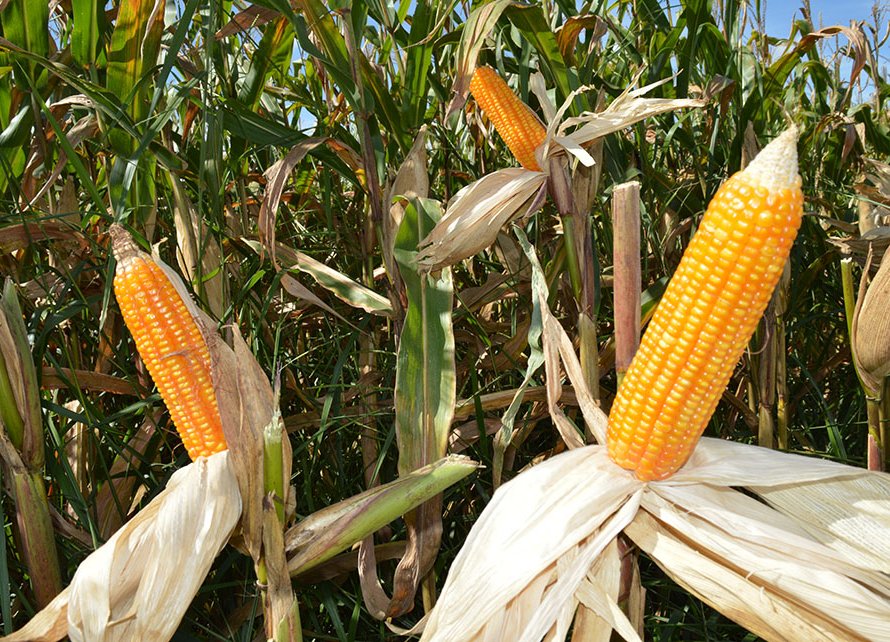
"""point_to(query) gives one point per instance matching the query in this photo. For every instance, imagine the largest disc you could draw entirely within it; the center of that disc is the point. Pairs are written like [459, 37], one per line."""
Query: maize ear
[512, 118]
[170, 343]
[707, 315]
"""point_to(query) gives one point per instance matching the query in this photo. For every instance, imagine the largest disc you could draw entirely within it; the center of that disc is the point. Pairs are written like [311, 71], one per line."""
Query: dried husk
[49, 625]
[757, 564]
[789, 569]
[477, 213]
[871, 333]
[139, 584]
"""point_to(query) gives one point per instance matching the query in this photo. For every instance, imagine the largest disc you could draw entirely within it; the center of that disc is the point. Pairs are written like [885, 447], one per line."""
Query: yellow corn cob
[170, 343]
[512, 118]
[707, 315]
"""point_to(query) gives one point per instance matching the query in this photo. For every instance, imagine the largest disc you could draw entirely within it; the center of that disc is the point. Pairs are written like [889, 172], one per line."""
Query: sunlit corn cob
[170, 343]
[512, 118]
[707, 315]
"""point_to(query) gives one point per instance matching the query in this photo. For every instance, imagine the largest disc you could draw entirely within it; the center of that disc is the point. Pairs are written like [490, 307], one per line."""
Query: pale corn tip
[775, 167]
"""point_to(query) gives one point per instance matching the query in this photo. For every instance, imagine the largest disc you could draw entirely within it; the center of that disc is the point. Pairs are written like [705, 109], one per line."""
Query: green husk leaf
[332, 530]
[20, 412]
[871, 327]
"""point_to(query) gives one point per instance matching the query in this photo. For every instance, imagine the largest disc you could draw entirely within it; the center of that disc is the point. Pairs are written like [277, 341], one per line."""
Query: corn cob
[512, 118]
[707, 315]
[170, 343]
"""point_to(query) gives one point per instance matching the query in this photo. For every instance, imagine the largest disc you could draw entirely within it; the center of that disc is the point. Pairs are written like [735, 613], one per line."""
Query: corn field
[398, 303]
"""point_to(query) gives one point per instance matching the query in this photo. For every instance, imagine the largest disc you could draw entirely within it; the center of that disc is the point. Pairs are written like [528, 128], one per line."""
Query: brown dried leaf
[21, 235]
[567, 35]
[477, 213]
[199, 253]
[253, 16]
[476, 30]
[246, 403]
[58, 377]
[279, 592]
[277, 176]
[86, 127]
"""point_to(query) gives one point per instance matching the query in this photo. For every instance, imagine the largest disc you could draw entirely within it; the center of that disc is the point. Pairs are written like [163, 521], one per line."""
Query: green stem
[875, 431]
[568, 231]
[873, 398]
[9, 412]
[884, 417]
[273, 468]
[849, 296]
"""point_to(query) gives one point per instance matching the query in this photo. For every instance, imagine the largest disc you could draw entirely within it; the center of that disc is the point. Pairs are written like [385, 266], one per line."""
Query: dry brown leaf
[56, 377]
[277, 176]
[21, 235]
[246, 404]
[279, 592]
[253, 16]
[476, 214]
[475, 31]
[199, 255]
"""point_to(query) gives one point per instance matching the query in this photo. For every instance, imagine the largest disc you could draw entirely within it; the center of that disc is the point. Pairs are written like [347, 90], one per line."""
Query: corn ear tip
[775, 167]
[122, 244]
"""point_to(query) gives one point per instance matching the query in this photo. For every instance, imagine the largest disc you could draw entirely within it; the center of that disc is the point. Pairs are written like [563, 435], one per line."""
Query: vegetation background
[259, 144]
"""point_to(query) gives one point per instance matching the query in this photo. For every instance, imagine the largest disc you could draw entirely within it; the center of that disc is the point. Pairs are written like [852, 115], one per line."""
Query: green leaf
[417, 66]
[85, 31]
[132, 55]
[530, 20]
[425, 372]
[278, 37]
[26, 24]
[332, 530]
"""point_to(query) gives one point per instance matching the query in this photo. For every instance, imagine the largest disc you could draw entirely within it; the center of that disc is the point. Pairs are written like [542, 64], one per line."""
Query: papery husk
[575, 134]
[820, 587]
[850, 515]
[139, 584]
[498, 580]
[477, 213]
[524, 563]
[792, 573]
[871, 335]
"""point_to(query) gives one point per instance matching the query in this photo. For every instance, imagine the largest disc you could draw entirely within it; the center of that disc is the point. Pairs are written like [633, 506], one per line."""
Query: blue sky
[780, 12]
[826, 13]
